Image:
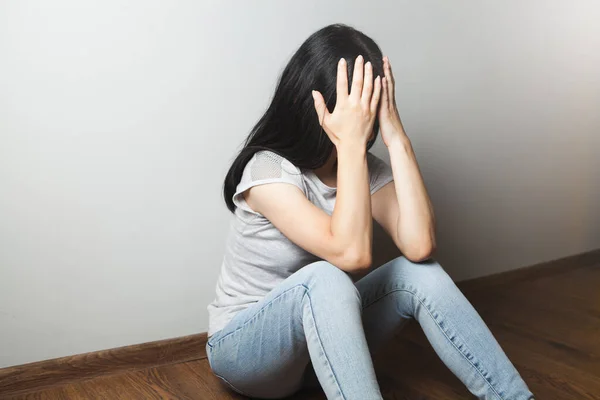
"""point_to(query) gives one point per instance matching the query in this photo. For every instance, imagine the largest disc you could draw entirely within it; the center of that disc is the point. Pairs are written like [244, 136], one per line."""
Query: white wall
[118, 120]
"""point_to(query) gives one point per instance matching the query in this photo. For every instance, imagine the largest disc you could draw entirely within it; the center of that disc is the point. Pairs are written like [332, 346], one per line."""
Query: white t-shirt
[258, 256]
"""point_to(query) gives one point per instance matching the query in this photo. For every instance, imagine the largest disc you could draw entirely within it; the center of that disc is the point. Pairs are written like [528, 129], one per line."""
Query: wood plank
[34, 376]
[553, 377]
[576, 292]
[568, 378]
[185, 381]
[63, 392]
[525, 338]
[557, 325]
[548, 377]
[407, 373]
[544, 269]
[214, 388]
[125, 385]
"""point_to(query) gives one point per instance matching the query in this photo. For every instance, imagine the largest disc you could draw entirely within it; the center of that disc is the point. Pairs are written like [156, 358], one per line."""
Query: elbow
[420, 252]
[355, 260]
[364, 261]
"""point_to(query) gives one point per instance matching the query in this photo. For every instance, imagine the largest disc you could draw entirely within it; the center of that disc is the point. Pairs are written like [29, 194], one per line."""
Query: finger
[387, 66]
[342, 81]
[367, 89]
[376, 95]
[357, 79]
[384, 94]
[320, 106]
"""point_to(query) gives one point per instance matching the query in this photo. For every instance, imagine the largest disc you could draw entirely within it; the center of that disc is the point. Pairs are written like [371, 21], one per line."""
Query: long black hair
[290, 126]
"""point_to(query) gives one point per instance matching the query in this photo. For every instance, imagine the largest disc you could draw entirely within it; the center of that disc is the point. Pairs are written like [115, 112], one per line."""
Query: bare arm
[351, 219]
[403, 207]
[345, 237]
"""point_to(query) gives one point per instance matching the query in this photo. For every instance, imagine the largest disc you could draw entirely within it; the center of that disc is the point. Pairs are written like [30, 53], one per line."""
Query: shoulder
[269, 167]
[266, 164]
[266, 167]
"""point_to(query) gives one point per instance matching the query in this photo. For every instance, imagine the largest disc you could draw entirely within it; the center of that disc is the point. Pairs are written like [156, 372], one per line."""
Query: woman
[304, 191]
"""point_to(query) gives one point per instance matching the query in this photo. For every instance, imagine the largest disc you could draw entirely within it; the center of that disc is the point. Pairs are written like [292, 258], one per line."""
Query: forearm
[352, 222]
[415, 228]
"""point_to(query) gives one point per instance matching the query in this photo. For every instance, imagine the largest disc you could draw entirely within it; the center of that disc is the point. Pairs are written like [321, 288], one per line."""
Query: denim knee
[427, 277]
[326, 276]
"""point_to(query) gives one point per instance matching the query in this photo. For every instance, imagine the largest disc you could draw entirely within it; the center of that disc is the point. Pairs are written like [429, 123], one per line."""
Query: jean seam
[259, 312]
[307, 293]
[442, 330]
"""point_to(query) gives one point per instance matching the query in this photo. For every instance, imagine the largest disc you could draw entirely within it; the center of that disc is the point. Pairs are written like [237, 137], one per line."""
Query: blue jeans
[319, 321]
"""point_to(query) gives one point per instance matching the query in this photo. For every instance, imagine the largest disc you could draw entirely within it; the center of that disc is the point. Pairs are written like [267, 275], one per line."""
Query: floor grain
[549, 326]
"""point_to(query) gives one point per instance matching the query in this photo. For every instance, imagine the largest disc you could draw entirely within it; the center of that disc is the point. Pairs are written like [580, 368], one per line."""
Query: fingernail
[359, 58]
[342, 60]
[368, 64]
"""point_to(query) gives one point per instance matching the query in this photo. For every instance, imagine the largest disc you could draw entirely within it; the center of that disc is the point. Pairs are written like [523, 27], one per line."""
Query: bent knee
[323, 274]
[324, 270]
[428, 275]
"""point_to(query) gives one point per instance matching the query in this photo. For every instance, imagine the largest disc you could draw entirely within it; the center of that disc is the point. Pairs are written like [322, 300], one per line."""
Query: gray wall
[118, 120]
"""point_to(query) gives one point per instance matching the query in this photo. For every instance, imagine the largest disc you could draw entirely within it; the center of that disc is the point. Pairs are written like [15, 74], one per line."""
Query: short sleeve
[263, 168]
[380, 173]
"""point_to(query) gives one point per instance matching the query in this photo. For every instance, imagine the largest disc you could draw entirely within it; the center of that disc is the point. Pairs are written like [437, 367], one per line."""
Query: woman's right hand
[352, 119]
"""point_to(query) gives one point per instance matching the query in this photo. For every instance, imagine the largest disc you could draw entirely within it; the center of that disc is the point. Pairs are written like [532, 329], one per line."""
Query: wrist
[399, 141]
[401, 148]
[352, 146]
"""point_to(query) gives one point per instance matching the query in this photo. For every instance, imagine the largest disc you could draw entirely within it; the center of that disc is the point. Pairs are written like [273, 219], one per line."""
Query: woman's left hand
[390, 124]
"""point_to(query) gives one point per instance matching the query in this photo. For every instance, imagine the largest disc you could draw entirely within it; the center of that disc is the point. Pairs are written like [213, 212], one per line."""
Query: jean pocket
[212, 340]
[209, 341]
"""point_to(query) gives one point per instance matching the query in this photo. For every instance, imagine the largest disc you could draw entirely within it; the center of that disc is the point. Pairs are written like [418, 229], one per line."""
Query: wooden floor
[549, 327]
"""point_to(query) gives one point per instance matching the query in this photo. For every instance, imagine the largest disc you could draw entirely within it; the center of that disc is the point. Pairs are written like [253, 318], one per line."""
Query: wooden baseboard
[536, 271]
[39, 375]
[43, 374]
